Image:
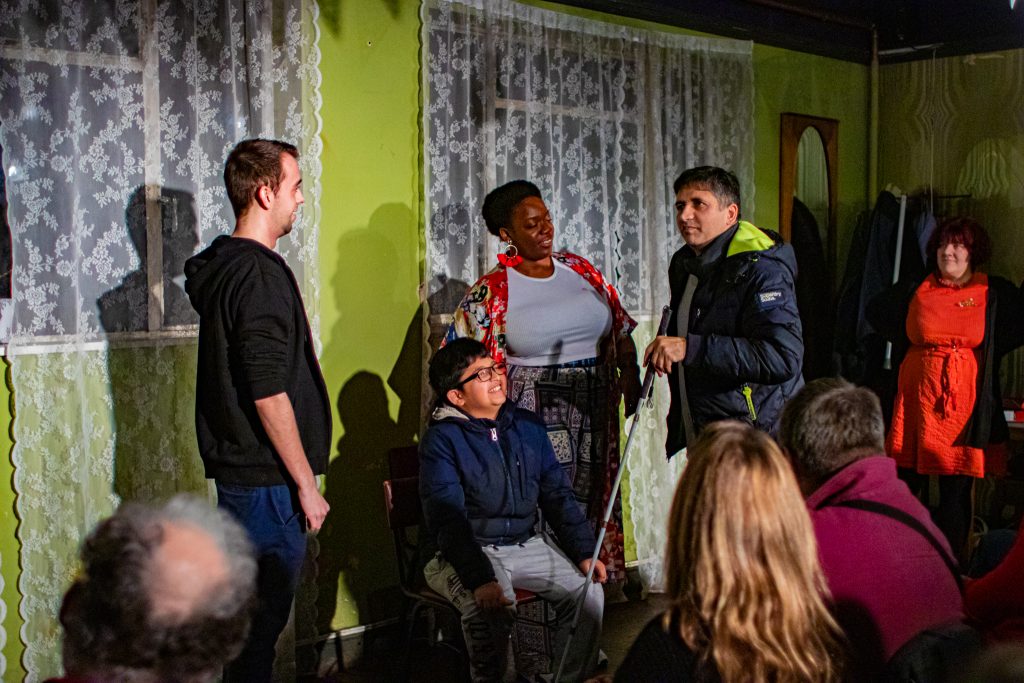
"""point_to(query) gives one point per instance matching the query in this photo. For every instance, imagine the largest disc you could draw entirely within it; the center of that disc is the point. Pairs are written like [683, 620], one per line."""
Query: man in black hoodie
[734, 348]
[263, 416]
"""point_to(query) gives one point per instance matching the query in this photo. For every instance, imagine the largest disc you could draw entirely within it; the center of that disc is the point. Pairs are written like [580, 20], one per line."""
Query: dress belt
[952, 366]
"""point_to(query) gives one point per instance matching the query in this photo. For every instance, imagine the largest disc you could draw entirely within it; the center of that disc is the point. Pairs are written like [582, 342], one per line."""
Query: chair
[404, 461]
[402, 504]
[404, 516]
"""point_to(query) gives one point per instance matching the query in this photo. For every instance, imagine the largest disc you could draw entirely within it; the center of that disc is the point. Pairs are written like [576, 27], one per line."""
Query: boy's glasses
[484, 374]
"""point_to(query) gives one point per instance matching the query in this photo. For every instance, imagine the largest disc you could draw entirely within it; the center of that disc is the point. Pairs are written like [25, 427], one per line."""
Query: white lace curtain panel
[602, 118]
[115, 119]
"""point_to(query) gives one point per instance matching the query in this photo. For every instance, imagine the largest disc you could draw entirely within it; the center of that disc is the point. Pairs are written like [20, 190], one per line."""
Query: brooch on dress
[969, 301]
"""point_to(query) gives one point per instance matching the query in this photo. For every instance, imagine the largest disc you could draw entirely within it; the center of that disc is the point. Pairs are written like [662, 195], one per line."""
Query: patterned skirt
[579, 404]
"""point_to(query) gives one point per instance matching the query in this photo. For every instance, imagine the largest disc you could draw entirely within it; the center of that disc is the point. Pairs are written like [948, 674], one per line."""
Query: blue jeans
[277, 528]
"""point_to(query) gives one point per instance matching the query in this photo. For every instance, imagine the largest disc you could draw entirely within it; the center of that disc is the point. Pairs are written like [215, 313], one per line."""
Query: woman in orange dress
[958, 324]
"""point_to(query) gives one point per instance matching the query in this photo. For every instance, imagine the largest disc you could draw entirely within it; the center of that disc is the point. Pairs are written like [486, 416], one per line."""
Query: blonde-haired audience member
[748, 596]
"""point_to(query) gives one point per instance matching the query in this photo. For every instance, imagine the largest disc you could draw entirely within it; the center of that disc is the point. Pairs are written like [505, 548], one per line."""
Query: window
[601, 118]
[116, 118]
[117, 121]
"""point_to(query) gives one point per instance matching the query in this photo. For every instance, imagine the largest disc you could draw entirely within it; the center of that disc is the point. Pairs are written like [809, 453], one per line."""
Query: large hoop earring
[510, 257]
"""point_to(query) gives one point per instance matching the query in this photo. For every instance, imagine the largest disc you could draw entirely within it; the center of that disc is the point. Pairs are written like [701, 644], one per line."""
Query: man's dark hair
[126, 618]
[502, 201]
[251, 165]
[450, 361]
[828, 424]
[719, 182]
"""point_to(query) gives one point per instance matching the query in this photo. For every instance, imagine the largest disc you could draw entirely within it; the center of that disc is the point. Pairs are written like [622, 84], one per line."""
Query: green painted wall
[370, 253]
[787, 81]
[371, 250]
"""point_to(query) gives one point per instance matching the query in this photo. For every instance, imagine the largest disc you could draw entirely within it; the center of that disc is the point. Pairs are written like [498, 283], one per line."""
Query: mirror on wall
[809, 169]
[808, 191]
[811, 186]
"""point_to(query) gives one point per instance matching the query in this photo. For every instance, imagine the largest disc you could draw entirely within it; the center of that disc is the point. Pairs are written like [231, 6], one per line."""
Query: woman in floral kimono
[558, 325]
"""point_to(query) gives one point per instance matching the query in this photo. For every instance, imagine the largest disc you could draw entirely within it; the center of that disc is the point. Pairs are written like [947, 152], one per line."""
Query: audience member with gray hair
[829, 425]
[890, 569]
[165, 594]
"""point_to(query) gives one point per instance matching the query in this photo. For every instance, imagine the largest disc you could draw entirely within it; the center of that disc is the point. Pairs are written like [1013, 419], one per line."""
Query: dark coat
[744, 347]
[481, 482]
[859, 350]
[1004, 331]
[813, 293]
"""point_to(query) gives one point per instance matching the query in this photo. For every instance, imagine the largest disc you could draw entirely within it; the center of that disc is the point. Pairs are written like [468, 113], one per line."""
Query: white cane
[887, 360]
[645, 395]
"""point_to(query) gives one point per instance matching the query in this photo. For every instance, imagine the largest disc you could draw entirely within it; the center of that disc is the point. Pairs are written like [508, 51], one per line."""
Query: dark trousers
[954, 510]
[277, 528]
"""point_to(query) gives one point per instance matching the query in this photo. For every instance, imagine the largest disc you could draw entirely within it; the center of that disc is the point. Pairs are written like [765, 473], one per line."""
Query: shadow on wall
[408, 377]
[330, 11]
[148, 406]
[357, 558]
[356, 547]
[375, 319]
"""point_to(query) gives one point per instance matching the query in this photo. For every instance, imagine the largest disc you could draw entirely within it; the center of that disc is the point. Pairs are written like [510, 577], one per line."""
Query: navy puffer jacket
[744, 348]
[481, 482]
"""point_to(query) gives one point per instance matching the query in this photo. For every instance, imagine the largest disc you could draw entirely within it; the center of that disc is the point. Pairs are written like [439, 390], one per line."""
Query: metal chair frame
[401, 500]
[404, 514]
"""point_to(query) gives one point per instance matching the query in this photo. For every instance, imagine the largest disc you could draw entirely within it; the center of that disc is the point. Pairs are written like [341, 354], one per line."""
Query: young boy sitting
[485, 467]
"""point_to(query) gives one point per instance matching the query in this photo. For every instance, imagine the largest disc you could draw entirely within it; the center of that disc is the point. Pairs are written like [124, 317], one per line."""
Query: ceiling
[907, 29]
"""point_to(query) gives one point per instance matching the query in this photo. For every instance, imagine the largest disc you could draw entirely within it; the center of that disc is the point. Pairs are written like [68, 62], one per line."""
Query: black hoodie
[254, 342]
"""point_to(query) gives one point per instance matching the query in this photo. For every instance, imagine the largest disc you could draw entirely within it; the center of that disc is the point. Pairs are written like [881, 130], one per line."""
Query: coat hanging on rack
[859, 349]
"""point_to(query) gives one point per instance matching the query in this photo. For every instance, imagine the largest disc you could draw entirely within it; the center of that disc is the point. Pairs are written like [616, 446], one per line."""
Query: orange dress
[938, 379]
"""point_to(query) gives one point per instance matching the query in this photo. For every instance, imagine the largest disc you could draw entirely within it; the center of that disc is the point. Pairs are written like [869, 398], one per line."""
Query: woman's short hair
[965, 231]
[502, 201]
[450, 361]
[742, 563]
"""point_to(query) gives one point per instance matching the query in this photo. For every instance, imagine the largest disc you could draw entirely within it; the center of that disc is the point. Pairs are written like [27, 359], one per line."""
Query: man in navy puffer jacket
[485, 467]
[734, 348]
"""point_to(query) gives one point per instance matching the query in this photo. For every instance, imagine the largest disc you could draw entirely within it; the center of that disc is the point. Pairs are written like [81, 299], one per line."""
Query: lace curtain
[114, 124]
[602, 118]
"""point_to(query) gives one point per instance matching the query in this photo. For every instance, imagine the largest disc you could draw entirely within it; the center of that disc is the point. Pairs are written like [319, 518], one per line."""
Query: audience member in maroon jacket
[996, 600]
[888, 566]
